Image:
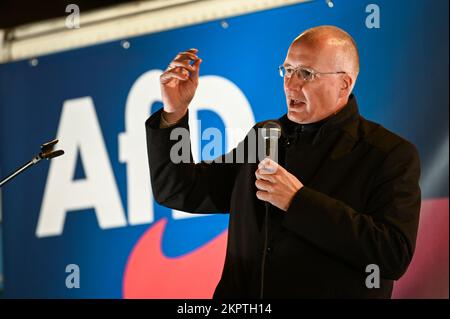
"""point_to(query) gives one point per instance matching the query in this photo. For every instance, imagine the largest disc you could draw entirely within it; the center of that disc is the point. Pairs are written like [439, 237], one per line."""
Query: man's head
[320, 49]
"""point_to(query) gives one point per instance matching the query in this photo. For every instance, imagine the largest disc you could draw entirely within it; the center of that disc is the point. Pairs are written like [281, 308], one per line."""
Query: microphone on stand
[47, 152]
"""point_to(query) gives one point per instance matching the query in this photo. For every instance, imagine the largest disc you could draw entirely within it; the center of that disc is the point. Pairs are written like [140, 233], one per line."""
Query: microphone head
[271, 130]
[48, 146]
[52, 154]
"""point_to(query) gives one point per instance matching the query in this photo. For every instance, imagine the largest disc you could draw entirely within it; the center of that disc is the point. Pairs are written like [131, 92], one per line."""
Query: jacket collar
[346, 120]
[343, 119]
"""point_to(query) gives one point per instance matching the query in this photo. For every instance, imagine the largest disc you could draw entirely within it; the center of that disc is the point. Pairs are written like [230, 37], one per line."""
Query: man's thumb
[196, 66]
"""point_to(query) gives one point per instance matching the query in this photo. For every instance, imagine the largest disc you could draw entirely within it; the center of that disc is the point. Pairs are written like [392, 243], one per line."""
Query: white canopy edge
[121, 22]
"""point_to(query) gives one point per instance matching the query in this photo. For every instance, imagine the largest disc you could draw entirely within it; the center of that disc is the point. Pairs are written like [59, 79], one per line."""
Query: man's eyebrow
[299, 66]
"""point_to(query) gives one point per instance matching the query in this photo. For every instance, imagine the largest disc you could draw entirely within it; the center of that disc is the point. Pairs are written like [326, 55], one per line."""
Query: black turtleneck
[293, 129]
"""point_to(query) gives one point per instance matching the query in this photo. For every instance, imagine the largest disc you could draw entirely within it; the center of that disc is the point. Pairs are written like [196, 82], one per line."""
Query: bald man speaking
[344, 196]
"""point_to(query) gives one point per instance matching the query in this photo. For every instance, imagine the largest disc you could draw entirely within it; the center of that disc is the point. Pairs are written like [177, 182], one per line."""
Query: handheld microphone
[271, 132]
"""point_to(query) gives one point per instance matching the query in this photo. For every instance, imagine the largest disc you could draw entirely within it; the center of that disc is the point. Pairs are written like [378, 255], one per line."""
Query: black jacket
[359, 206]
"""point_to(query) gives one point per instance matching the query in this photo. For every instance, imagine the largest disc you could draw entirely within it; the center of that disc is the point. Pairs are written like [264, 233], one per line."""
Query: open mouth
[296, 102]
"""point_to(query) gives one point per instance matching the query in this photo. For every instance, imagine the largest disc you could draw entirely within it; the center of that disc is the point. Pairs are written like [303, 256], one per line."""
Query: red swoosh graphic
[150, 274]
[427, 275]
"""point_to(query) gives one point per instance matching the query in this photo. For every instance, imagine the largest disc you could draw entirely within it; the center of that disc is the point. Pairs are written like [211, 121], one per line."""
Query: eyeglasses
[305, 73]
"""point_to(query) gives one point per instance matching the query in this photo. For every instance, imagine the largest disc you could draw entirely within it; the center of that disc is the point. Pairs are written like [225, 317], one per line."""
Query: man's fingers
[186, 56]
[266, 177]
[192, 51]
[181, 64]
[267, 170]
[173, 74]
[189, 55]
[268, 166]
[262, 195]
[195, 74]
[196, 66]
[181, 68]
[264, 185]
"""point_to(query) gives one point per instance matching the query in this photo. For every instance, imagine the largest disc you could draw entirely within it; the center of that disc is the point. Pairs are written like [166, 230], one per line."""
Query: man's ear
[346, 85]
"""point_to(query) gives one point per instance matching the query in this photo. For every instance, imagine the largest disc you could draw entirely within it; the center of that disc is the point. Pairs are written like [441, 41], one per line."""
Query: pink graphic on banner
[427, 275]
[150, 274]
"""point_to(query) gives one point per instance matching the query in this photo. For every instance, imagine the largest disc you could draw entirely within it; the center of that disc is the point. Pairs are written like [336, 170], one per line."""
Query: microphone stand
[47, 152]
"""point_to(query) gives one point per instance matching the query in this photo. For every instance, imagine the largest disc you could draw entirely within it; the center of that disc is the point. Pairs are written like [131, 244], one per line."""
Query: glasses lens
[282, 71]
[306, 74]
[286, 71]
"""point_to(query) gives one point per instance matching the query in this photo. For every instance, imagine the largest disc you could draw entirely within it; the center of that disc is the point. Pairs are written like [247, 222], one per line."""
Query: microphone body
[271, 133]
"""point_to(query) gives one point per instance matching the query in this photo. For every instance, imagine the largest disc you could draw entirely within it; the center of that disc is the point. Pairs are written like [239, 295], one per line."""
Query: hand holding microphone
[275, 184]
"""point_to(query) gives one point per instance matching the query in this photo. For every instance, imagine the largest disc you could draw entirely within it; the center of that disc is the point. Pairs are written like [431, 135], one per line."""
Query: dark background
[14, 12]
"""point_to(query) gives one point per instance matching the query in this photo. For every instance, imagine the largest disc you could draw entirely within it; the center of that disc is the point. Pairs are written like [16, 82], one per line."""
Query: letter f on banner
[79, 131]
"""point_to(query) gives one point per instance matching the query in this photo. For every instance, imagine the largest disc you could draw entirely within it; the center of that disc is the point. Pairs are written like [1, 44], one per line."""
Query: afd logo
[99, 189]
